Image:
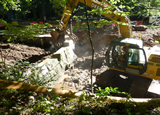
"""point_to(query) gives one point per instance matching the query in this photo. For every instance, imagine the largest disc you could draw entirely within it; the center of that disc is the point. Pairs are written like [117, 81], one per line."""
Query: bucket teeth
[72, 36]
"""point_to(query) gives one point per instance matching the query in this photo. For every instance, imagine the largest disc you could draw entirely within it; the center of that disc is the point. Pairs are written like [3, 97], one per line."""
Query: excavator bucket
[59, 37]
[54, 34]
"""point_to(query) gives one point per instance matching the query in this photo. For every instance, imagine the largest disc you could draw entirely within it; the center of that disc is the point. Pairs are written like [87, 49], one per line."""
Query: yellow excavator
[57, 34]
[137, 60]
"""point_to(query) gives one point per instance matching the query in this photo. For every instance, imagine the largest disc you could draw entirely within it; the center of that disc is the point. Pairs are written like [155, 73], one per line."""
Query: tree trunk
[90, 38]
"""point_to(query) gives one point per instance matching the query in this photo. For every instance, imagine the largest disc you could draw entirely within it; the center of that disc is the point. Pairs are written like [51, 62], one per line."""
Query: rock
[5, 46]
[31, 100]
[14, 108]
[40, 94]
[67, 80]
[75, 79]
[156, 37]
[34, 94]
[78, 93]
[70, 84]
[87, 86]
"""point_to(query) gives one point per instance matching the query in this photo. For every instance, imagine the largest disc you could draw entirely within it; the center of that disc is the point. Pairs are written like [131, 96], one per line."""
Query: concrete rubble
[52, 69]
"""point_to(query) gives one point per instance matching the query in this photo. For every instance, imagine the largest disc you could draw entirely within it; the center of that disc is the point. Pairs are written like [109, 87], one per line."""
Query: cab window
[117, 56]
[136, 58]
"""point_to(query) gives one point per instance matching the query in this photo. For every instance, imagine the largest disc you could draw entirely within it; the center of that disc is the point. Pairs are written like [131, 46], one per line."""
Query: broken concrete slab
[44, 72]
[49, 71]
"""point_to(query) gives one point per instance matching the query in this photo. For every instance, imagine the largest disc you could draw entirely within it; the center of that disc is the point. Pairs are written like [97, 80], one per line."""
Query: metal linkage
[72, 36]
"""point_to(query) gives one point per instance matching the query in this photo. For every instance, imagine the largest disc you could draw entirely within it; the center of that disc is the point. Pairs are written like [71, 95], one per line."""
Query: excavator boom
[125, 30]
[135, 61]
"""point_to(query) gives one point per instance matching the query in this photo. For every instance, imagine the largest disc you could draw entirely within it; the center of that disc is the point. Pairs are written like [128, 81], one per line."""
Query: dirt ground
[10, 53]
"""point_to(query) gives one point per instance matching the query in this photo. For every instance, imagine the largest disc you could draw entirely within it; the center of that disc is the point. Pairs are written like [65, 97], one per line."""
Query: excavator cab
[132, 60]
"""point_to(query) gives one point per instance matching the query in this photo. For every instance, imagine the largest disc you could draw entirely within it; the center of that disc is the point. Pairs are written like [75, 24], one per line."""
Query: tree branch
[146, 9]
[154, 8]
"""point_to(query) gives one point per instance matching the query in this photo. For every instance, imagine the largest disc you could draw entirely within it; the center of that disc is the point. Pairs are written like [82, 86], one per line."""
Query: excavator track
[138, 87]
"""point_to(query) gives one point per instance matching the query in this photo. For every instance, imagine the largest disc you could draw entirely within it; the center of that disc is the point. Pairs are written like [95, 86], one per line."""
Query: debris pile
[80, 73]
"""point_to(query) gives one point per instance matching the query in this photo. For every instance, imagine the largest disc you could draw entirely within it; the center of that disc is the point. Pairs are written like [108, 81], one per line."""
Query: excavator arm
[124, 30]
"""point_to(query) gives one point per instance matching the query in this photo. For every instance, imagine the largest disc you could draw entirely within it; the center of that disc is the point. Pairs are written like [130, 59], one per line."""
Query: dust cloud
[101, 37]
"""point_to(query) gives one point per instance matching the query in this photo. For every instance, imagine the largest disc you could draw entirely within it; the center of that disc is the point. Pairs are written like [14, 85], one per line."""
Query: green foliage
[110, 91]
[12, 101]
[107, 91]
[54, 104]
[43, 106]
[7, 4]
[87, 110]
[151, 26]
[13, 72]
[26, 7]
[59, 3]
[99, 19]
[59, 7]
[16, 33]
[25, 10]
[3, 22]
[138, 7]
[47, 105]
[149, 7]
[16, 73]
